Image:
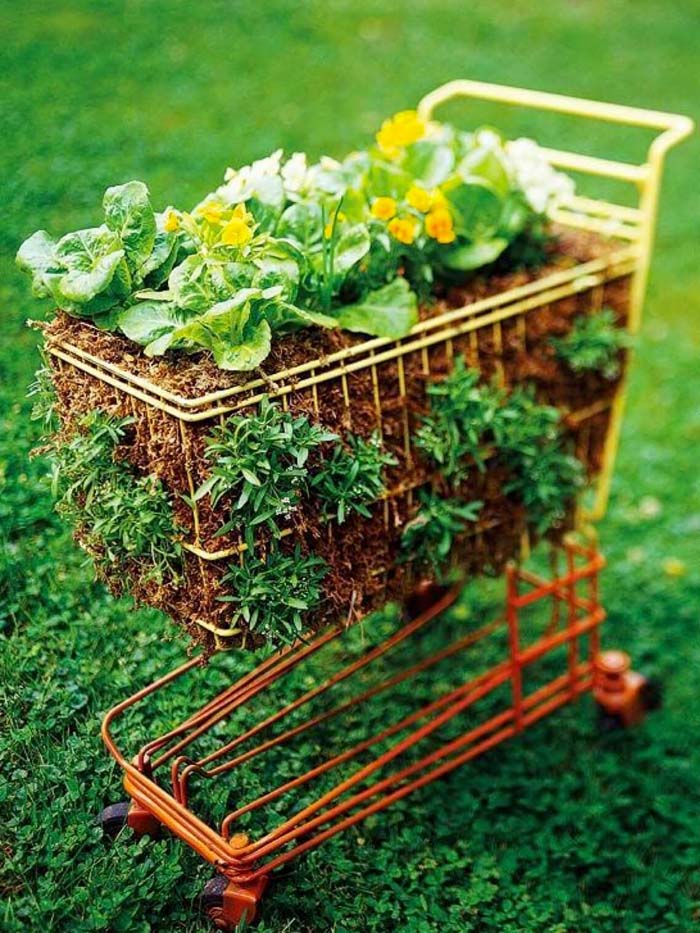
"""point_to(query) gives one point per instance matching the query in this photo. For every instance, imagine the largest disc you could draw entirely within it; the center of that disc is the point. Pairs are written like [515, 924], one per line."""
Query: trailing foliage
[283, 245]
[120, 517]
[468, 418]
[593, 344]
[42, 392]
[462, 415]
[427, 539]
[543, 475]
[274, 596]
[352, 478]
[259, 464]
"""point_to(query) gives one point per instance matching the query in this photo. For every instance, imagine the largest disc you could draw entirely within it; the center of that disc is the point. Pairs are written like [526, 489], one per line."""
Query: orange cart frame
[244, 864]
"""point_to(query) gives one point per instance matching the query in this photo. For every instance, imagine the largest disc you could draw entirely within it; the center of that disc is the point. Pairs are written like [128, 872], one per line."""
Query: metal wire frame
[630, 230]
[374, 785]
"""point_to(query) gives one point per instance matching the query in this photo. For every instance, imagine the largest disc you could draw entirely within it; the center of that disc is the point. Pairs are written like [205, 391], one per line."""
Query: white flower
[488, 139]
[294, 172]
[241, 183]
[542, 185]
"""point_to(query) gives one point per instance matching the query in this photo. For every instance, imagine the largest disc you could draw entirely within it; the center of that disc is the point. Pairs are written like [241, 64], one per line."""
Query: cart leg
[227, 903]
[624, 696]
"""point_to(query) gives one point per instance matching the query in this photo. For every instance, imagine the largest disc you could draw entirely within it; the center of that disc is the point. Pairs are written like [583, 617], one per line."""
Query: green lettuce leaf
[390, 311]
[94, 260]
[473, 255]
[37, 256]
[352, 245]
[129, 214]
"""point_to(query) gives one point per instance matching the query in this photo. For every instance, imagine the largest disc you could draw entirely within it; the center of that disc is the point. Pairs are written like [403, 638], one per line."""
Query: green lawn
[558, 831]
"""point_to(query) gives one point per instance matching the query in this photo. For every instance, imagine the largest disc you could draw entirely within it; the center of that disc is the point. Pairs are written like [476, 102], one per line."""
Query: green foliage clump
[467, 418]
[119, 516]
[427, 539]
[275, 596]
[260, 465]
[593, 344]
[351, 479]
[42, 392]
[462, 414]
[542, 474]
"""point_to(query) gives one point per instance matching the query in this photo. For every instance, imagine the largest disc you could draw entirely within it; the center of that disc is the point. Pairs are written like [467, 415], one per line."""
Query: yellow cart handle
[674, 127]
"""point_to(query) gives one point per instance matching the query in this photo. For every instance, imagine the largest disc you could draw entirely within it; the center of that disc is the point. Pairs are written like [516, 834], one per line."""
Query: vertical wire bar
[314, 394]
[573, 639]
[404, 408]
[594, 636]
[514, 645]
[498, 348]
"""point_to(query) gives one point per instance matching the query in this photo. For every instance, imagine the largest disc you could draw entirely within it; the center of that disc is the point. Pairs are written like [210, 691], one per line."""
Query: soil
[361, 553]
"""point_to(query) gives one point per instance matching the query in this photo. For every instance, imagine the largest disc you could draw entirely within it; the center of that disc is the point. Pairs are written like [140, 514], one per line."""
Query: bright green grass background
[558, 831]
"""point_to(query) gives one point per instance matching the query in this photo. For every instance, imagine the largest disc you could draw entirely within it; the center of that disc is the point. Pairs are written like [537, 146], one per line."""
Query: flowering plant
[283, 245]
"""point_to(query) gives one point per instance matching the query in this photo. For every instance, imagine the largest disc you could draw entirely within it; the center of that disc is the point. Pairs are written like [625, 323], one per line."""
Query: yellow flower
[420, 199]
[673, 567]
[210, 212]
[383, 208]
[438, 225]
[236, 232]
[241, 213]
[402, 229]
[171, 221]
[400, 130]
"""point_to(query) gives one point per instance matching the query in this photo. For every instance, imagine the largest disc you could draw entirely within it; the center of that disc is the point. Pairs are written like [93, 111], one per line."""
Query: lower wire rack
[487, 683]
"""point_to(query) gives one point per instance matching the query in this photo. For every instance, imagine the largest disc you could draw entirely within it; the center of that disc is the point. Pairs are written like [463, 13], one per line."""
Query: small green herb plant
[428, 537]
[543, 475]
[593, 344]
[273, 596]
[468, 418]
[259, 464]
[462, 415]
[119, 516]
[350, 479]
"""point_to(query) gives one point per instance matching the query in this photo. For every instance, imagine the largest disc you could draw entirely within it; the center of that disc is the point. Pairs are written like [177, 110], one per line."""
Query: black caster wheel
[213, 901]
[113, 818]
[424, 596]
[609, 722]
[651, 694]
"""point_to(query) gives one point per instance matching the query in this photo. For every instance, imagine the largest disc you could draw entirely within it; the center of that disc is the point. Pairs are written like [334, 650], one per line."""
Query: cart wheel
[228, 905]
[213, 902]
[113, 818]
[424, 596]
[609, 722]
[652, 694]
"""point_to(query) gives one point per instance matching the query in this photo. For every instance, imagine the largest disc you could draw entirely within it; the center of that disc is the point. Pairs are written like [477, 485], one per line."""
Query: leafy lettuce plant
[282, 245]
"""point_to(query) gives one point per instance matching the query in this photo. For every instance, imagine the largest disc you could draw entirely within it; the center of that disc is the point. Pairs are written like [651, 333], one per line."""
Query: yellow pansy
[402, 229]
[210, 211]
[400, 130]
[236, 232]
[420, 199]
[438, 225]
[383, 208]
[673, 567]
[171, 221]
